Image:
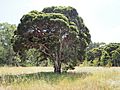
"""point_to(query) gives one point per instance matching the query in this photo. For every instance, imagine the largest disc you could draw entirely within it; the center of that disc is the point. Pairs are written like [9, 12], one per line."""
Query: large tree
[57, 32]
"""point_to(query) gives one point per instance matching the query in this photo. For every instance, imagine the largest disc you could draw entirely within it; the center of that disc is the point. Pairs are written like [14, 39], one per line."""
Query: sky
[102, 17]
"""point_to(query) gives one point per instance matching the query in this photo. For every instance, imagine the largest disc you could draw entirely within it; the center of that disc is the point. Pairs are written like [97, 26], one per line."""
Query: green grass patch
[48, 77]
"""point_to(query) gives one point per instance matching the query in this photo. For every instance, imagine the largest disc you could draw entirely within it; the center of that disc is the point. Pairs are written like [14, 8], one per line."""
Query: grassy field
[43, 78]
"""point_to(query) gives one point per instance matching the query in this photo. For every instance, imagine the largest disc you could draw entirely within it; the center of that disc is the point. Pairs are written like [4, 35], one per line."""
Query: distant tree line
[103, 55]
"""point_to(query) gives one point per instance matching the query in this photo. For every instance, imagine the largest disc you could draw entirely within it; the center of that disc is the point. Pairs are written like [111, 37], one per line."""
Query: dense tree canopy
[57, 32]
[105, 55]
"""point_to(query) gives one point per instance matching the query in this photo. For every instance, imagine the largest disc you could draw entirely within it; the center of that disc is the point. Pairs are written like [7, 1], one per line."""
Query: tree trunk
[57, 68]
[57, 64]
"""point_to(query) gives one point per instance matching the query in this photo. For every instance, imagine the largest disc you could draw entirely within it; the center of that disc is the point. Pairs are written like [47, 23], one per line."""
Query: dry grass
[82, 78]
[23, 70]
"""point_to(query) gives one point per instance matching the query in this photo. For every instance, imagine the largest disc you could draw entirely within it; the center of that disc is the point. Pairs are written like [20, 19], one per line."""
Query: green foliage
[58, 33]
[81, 31]
[85, 63]
[95, 45]
[95, 62]
[104, 58]
[107, 55]
[6, 50]
[93, 54]
[68, 11]
[109, 64]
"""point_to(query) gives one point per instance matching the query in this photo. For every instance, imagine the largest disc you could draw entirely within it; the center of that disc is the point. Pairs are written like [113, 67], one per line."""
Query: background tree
[6, 50]
[60, 36]
[95, 45]
[108, 54]
[116, 57]
[94, 56]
